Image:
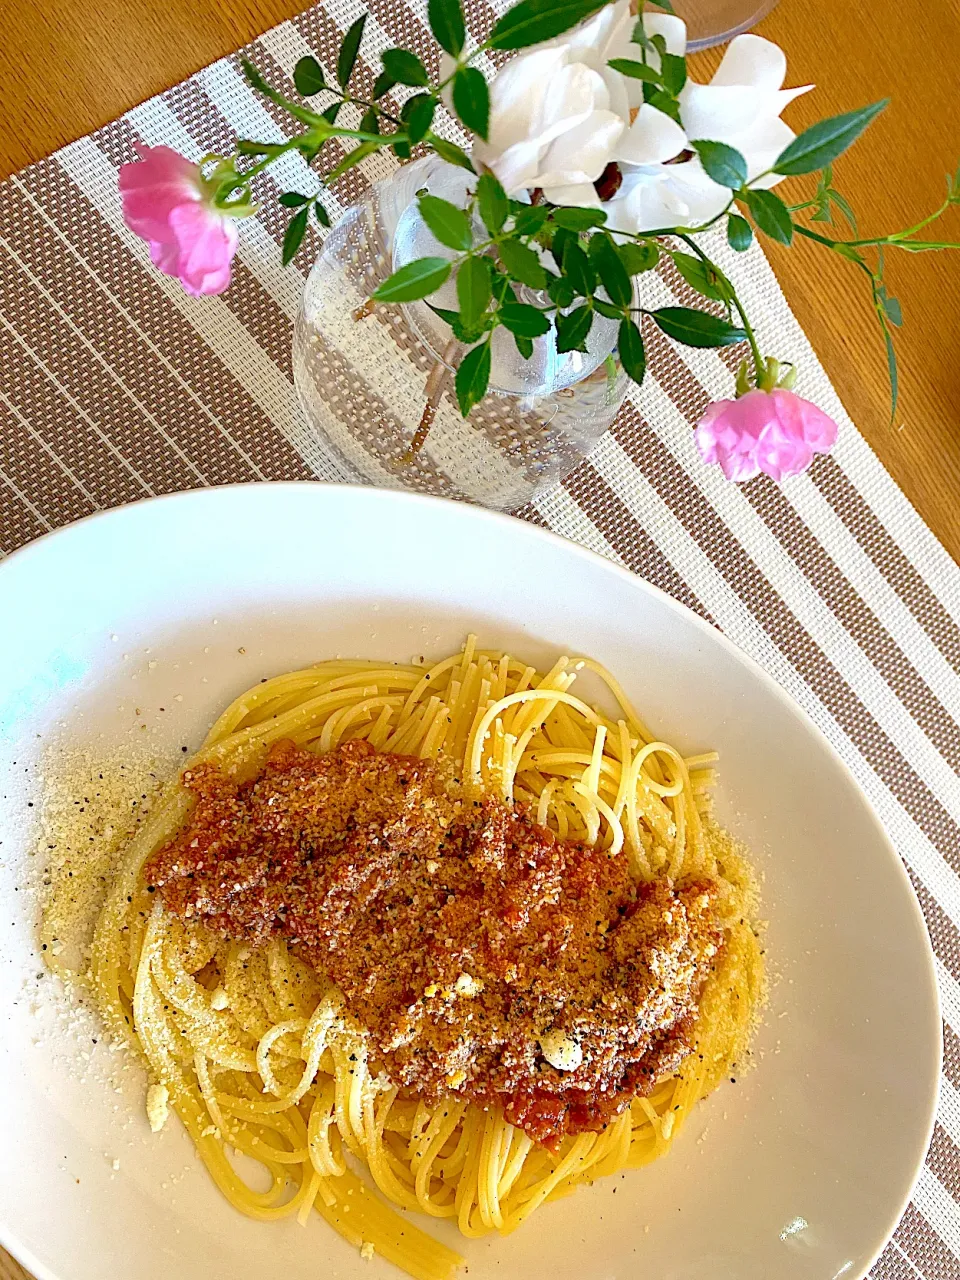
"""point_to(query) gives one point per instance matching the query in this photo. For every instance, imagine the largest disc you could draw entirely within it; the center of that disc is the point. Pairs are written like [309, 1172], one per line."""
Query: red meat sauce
[460, 931]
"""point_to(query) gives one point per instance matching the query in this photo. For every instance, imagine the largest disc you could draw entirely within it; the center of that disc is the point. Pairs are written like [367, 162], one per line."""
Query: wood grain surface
[67, 68]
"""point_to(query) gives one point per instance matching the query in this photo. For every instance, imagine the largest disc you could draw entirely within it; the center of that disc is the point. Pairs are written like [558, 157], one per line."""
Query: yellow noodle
[255, 1048]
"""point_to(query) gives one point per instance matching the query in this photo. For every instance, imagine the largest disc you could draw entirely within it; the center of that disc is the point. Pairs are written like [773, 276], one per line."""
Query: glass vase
[377, 382]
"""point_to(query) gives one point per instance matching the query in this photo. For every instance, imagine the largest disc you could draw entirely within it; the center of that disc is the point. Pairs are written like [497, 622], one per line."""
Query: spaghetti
[254, 1046]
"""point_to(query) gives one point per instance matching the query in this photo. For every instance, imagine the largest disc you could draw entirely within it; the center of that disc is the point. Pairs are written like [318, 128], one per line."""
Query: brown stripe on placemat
[893, 1265]
[845, 603]
[20, 521]
[924, 1247]
[630, 541]
[123, 283]
[951, 1055]
[943, 1159]
[852, 508]
[944, 934]
[36, 475]
[69, 442]
[82, 375]
[782, 626]
[138, 384]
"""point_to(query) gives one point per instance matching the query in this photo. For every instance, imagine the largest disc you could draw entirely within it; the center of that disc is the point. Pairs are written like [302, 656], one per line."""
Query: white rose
[557, 112]
[740, 106]
[559, 115]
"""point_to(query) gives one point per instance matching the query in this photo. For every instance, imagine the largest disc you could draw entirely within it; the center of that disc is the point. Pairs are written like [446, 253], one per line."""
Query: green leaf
[534, 20]
[673, 72]
[415, 280]
[294, 234]
[450, 225]
[528, 322]
[247, 147]
[697, 328]
[322, 216]
[579, 219]
[843, 204]
[471, 100]
[331, 112]
[560, 290]
[723, 164]
[613, 274]
[632, 355]
[351, 159]
[663, 102]
[473, 289]
[383, 84]
[699, 276]
[370, 121]
[404, 67]
[420, 117]
[522, 264]
[638, 258]
[308, 77]
[891, 306]
[293, 199]
[472, 377]
[578, 269]
[739, 233]
[558, 245]
[572, 329]
[891, 370]
[450, 152]
[528, 220]
[493, 203]
[401, 149]
[349, 48]
[770, 214]
[446, 23]
[822, 143]
[666, 6]
[253, 77]
[465, 333]
[524, 345]
[640, 36]
[635, 70]
[607, 309]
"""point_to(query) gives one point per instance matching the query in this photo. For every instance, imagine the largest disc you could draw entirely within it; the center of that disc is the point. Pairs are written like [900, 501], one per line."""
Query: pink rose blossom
[776, 432]
[166, 203]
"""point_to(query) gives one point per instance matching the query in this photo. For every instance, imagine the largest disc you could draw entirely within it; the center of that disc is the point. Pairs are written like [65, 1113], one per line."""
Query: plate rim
[318, 489]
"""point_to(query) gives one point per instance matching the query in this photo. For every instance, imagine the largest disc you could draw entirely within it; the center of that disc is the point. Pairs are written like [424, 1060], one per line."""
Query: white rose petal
[752, 60]
[582, 154]
[652, 138]
[583, 195]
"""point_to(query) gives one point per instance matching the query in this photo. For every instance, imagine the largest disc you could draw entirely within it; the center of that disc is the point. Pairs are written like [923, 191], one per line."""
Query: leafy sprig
[540, 268]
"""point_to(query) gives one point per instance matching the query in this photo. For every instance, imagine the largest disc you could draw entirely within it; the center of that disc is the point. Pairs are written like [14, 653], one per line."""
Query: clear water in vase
[365, 378]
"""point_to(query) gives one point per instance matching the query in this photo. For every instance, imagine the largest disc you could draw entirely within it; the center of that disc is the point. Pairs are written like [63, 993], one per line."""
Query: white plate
[796, 1172]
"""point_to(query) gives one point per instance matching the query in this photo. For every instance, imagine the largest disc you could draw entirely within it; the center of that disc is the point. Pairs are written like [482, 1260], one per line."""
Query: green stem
[758, 364]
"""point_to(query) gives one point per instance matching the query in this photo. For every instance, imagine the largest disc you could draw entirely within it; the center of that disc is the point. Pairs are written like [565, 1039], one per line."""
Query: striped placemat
[114, 386]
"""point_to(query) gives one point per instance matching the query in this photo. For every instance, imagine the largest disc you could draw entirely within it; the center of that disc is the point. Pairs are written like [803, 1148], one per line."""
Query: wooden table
[66, 68]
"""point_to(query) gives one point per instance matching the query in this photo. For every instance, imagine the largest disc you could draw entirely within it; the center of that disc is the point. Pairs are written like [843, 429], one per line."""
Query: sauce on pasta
[482, 955]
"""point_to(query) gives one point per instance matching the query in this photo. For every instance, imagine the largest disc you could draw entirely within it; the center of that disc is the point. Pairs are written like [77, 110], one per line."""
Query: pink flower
[167, 203]
[776, 432]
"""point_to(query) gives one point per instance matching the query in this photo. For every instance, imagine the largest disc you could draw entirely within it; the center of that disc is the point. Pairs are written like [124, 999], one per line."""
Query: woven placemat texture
[114, 386]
